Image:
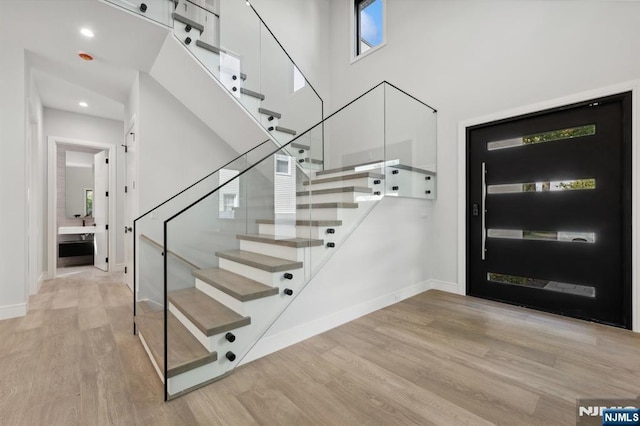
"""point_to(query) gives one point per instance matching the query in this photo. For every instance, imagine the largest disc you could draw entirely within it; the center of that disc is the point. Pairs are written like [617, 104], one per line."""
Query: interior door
[130, 206]
[101, 211]
[549, 208]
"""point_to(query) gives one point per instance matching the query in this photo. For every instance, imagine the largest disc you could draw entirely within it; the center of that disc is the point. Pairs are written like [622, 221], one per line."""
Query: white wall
[302, 27]
[13, 180]
[70, 125]
[175, 148]
[470, 59]
[377, 266]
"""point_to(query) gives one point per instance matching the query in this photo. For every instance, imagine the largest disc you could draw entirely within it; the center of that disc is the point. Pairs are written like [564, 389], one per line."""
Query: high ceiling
[50, 32]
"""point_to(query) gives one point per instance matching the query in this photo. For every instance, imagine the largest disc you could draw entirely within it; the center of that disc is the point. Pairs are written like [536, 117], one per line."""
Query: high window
[369, 25]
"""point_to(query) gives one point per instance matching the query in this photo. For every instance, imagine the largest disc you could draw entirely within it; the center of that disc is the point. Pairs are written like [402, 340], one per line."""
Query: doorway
[549, 210]
[87, 204]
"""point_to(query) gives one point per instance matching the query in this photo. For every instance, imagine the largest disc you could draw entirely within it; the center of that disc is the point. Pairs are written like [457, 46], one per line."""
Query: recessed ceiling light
[83, 104]
[85, 56]
[86, 32]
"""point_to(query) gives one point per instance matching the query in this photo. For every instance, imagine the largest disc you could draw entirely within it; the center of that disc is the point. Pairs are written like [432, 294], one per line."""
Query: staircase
[218, 263]
[209, 325]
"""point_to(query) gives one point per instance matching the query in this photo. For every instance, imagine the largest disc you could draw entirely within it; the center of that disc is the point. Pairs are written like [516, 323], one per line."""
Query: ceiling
[49, 30]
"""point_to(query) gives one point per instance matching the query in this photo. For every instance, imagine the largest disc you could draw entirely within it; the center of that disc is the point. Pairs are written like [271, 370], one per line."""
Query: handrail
[203, 8]
[294, 140]
[199, 181]
[162, 250]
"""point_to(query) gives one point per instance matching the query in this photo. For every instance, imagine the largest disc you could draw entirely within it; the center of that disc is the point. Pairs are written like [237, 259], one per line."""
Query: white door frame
[631, 86]
[52, 199]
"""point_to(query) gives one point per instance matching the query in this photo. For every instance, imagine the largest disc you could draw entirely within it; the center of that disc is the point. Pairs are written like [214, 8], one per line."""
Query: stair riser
[273, 279]
[192, 378]
[316, 232]
[350, 172]
[330, 214]
[336, 197]
[217, 342]
[258, 309]
[290, 253]
[365, 182]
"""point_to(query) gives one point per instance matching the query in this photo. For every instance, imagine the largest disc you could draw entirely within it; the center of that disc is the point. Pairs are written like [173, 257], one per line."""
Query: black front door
[549, 210]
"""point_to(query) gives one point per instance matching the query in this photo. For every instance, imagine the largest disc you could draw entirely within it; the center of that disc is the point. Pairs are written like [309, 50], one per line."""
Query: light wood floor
[433, 359]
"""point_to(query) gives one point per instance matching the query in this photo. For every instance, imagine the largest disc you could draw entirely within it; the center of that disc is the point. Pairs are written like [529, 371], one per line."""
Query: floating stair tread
[209, 47]
[362, 189]
[347, 168]
[345, 177]
[328, 206]
[285, 130]
[252, 93]
[236, 286]
[184, 351]
[303, 222]
[187, 21]
[300, 146]
[311, 160]
[282, 241]
[269, 112]
[208, 315]
[259, 261]
[414, 169]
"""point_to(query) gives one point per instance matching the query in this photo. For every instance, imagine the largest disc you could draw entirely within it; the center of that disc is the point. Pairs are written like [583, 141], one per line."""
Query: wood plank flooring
[433, 359]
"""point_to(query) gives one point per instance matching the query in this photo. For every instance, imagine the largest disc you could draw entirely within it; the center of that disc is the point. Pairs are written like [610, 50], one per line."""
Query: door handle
[483, 211]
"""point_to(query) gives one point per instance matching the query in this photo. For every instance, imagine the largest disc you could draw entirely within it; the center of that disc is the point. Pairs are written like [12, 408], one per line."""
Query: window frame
[355, 31]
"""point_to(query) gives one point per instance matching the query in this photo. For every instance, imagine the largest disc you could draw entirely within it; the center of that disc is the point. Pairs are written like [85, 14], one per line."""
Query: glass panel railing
[245, 251]
[239, 50]
[156, 10]
[233, 43]
[149, 249]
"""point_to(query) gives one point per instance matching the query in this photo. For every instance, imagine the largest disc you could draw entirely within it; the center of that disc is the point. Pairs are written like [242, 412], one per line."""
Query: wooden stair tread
[252, 93]
[281, 241]
[345, 177]
[269, 112]
[303, 222]
[184, 351]
[187, 21]
[209, 47]
[259, 261]
[362, 189]
[300, 146]
[328, 206]
[236, 286]
[285, 130]
[208, 315]
[347, 168]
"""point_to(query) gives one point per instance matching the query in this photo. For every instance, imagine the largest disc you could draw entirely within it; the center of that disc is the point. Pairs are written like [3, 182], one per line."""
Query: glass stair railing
[224, 267]
[233, 43]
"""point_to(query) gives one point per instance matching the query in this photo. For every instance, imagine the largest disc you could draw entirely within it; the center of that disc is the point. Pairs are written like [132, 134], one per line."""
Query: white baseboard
[13, 311]
[445, 286]
[317, 326]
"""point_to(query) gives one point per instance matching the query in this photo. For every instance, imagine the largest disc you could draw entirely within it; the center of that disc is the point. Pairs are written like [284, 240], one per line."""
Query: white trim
[632, 86]
[447, 286]
[296, 334]
[352, 43]
[52, 202]
[13, 311]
